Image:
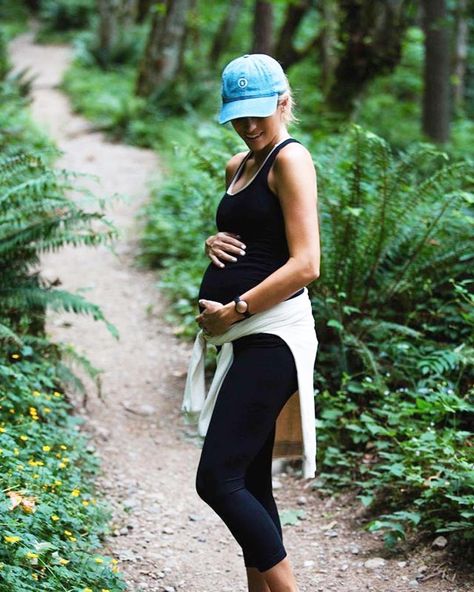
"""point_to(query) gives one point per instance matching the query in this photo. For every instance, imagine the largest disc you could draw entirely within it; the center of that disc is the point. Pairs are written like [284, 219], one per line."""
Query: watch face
[241, 306]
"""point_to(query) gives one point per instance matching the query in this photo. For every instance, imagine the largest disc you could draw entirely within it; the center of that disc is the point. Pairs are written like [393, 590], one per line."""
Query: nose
[249, 123]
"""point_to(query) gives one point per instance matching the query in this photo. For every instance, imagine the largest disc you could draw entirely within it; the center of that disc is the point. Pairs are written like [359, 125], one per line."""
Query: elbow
[309, 272]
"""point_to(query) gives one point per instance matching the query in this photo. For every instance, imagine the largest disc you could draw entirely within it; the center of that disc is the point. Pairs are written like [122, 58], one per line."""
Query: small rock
[421, 571]
[302, 500]
[374, 563]
[402, 563]
[123, 531]
[413, 584]
[169, 589]
[355, 550]
[344, 567]
[167, 530]
[308, 563]
[331, 533]
[439, 542]
[276, 484]
[195, 517]
[129, 503]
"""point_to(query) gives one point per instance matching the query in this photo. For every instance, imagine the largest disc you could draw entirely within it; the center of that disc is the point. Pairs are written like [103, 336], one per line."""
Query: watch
[241, 306]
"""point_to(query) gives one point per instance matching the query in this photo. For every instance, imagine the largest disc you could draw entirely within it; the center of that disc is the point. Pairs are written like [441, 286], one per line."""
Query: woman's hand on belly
[223, 246]
[216, 317]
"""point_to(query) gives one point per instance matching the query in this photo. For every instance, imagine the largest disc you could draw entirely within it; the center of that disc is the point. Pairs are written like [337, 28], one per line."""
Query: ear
[283, 102]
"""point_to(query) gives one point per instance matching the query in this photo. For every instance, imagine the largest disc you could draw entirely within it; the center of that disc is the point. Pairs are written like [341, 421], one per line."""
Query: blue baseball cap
[250, 87]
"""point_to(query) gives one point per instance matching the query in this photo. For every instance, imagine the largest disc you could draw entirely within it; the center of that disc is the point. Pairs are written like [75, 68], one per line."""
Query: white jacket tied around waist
[293, 321]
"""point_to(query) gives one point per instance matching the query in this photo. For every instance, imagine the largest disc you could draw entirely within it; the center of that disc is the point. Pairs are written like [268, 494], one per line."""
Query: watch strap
[246, 314]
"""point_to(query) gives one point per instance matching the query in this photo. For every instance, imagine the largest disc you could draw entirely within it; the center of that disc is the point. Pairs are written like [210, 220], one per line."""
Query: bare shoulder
[293, 166]
[293, 155]
[232, 165]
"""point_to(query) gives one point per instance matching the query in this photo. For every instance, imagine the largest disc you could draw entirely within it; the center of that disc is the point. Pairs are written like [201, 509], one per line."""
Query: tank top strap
[271, 159]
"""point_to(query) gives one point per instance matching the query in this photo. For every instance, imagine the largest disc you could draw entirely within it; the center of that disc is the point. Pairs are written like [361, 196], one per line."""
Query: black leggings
[234, 473]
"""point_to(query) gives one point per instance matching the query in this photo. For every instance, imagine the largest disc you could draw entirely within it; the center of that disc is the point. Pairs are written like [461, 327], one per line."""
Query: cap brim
[259, 107]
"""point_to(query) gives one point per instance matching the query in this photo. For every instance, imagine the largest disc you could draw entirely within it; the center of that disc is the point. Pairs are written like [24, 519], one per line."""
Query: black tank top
[253, 212]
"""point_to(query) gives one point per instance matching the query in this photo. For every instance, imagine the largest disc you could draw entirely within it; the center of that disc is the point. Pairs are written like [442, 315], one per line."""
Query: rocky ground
[165, 536]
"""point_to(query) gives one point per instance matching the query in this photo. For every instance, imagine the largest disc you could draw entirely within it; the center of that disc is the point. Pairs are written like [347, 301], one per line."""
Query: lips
[254, 137]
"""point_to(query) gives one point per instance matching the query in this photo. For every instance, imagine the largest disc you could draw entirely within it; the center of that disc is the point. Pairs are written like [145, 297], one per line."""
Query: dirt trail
[165, 537]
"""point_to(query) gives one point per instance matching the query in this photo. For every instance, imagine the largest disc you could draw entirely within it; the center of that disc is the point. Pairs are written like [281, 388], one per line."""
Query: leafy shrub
[64, 15]
[409, 451]
[127, 49]
[52, 520]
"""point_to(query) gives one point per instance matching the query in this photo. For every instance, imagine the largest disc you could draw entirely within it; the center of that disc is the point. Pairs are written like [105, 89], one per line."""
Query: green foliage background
[393, 305]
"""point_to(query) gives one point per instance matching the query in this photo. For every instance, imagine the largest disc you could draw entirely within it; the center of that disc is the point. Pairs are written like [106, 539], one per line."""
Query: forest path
[165, 537]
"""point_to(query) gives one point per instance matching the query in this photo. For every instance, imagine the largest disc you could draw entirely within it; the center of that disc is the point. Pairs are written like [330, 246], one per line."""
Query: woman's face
[259, 132]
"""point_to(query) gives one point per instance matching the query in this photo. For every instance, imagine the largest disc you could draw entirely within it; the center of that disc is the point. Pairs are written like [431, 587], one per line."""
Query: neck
[260, 155]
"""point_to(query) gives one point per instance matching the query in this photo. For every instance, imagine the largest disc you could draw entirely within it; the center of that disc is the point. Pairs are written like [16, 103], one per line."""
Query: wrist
[230, 314]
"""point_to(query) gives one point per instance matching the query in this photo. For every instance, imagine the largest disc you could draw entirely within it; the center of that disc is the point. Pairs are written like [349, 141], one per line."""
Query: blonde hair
[288, 115]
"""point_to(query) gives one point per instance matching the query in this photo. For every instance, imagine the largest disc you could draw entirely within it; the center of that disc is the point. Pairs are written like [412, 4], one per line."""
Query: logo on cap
[242, 82]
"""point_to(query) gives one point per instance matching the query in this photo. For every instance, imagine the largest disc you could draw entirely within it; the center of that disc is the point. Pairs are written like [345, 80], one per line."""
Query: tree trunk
[285, 51]
[461, 48]
[108, 27]
[371, 34]
[327, 47]
[225, 30]
[436, 116]
[33, 5]
[142, 10]
[263, 27]
[161, 61]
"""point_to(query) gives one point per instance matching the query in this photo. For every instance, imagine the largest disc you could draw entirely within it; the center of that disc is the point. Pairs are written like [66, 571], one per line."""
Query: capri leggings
[234, 473]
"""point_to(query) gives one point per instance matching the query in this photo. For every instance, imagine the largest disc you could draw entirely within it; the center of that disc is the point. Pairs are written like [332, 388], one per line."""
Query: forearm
[277, 287]
[280, 285]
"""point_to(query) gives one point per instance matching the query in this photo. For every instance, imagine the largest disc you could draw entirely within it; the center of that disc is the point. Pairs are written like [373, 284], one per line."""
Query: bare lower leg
[280, 578]
[255, 581]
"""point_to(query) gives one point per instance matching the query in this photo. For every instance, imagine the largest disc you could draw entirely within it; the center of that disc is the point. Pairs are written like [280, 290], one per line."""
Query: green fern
[35, 217]
[391, 226]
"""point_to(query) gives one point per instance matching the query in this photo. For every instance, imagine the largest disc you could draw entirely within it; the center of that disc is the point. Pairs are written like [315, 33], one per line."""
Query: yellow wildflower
[55, 517]
[34, 576]
[58, 482]
[76, 492]
[15, 356]
[12, 539]
[63, 446]
[85, 503]
[16, 451]
[72, 539]
[31, 555]
[57, 394]
[46, 410]
[62, 465]
[114, 561]
[99, 560]
[24, 438]
[2, 430]
[63, 561]
[88, 590]
[46, 448]
[36, 393]
[68, 532]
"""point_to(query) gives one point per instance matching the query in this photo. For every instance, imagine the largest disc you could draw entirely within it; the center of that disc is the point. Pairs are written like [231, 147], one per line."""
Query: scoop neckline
[242, 164]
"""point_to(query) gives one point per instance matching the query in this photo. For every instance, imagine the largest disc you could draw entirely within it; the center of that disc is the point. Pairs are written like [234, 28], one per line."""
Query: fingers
[216, 261]
[224, 246]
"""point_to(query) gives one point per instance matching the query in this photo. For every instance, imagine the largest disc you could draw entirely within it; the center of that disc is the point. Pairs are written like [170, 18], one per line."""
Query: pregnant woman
[254, 307]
